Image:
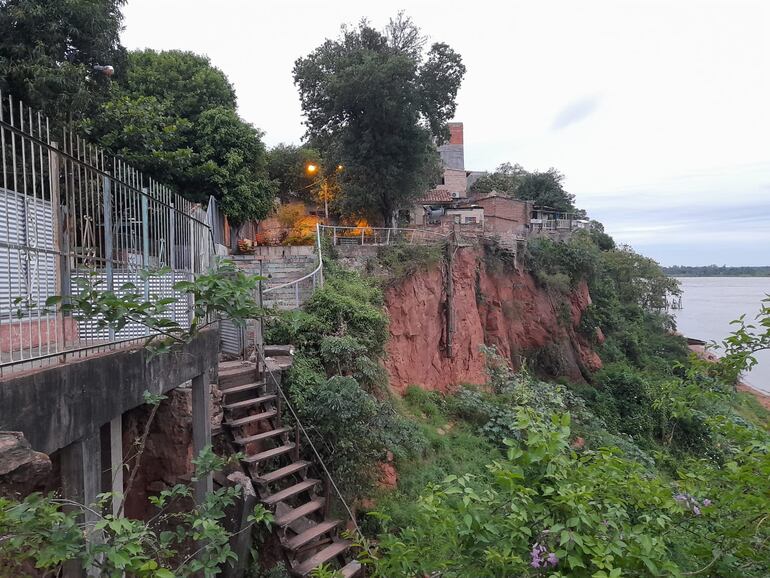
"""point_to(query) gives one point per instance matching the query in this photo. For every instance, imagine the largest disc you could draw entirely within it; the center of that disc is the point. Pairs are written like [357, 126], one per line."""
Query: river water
[710, 303]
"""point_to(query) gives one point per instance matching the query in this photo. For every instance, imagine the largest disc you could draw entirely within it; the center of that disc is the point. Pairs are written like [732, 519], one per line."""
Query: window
[470, 220]
[457, 219]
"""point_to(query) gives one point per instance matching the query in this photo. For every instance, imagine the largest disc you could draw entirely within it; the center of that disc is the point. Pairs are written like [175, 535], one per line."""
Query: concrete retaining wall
[58, 405]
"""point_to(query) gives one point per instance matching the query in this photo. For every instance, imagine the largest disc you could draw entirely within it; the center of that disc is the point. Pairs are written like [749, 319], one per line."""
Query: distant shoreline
[716, 271]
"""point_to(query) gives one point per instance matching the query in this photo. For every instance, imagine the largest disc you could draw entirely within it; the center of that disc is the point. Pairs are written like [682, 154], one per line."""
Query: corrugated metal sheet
[160, 287]
[27, 261]
[231, 337]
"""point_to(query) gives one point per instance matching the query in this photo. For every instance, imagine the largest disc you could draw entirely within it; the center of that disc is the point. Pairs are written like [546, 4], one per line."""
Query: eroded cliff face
[492, 306]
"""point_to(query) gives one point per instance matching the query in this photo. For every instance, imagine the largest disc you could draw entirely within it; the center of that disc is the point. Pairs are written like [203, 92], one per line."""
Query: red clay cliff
[493, 306]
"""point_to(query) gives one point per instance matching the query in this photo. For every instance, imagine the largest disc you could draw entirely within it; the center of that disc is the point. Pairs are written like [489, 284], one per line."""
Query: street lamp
[311, 168]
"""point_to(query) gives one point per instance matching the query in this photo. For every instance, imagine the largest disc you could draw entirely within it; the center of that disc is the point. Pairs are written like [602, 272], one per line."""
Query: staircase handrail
[317, 271]
[318, 457]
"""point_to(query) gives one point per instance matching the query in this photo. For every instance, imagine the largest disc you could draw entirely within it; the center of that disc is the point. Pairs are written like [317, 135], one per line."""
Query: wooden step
[236, 373]
[252, 418]
[351, 569]
[281, 473]
[311, 534]
[322, 557]
[287, 493]
[240, 388]
[248, 402]
[263, 436]
[266, 455]
[297, 513]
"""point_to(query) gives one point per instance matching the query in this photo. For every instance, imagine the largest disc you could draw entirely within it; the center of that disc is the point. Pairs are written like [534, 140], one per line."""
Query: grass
[747, 406]
[453, 447]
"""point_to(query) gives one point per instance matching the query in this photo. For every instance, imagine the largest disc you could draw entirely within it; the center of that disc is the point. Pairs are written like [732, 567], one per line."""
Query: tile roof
[436, 196]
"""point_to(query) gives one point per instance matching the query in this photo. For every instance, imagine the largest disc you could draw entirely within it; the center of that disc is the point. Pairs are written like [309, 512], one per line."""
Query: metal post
[387, 240]
[58, 241]
[145, 242]
[296, 295]
[108, 257]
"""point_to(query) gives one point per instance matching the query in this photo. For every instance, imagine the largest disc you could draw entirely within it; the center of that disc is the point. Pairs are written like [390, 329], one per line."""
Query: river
[710, 303]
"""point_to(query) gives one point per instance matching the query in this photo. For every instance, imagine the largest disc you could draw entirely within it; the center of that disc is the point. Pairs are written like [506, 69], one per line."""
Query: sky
[656, 111]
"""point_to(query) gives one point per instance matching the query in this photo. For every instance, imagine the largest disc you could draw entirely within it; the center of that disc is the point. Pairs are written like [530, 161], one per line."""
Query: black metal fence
[69, 210]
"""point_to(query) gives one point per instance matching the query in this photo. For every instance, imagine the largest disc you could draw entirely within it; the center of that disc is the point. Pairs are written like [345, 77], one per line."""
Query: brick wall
[455, 133]
[454, 181]
[504, 215]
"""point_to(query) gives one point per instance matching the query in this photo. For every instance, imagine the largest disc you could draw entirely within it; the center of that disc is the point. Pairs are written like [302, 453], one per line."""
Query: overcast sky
[657, 112]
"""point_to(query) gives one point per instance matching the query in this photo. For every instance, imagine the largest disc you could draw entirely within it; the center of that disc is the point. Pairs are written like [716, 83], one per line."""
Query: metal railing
[380, 236]
[293, 294]
[69, 211]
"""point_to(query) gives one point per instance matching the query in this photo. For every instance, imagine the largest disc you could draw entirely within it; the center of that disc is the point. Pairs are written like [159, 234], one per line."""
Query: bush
[404, 260]
[352, 429]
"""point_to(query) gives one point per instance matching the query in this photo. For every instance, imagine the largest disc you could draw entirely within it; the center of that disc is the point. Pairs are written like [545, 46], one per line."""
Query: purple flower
[553, 559]
[681, 497]
[696, 510]
[537, 555]
[707, 502]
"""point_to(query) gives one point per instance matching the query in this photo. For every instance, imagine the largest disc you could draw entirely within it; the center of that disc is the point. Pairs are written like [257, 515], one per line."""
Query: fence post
[320, 257]
[108, 257]
[387, 241]
[59, 244]
[145, 242]
[362, 236]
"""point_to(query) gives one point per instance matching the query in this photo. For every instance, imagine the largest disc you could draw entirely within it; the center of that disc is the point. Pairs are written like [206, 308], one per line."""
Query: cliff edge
[493, 305]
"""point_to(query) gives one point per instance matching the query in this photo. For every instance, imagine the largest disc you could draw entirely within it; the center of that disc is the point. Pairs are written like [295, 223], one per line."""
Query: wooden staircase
[253, 414]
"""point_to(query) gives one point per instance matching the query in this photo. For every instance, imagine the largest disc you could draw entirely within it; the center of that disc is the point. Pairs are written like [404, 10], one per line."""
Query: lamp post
[324, 185]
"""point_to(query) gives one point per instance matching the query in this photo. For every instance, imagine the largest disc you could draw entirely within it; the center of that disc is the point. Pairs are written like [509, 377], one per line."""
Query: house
[547, 220]
[431, 207]
[503, 214]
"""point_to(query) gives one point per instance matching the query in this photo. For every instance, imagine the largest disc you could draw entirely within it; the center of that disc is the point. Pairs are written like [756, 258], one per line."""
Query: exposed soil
[493, 306]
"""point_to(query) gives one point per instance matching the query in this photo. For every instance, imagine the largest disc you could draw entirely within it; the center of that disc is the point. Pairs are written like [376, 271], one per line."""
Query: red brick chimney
[455, 133]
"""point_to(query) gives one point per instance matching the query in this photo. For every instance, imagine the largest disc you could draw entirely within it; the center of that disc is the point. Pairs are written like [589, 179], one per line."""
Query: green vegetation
[336, 384]
[544, 188]
[374, 102]
[48, 51]
[173, 116]
[716, 271]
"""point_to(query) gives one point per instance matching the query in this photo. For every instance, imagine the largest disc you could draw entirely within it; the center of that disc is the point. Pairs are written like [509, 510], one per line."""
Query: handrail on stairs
[318, 457]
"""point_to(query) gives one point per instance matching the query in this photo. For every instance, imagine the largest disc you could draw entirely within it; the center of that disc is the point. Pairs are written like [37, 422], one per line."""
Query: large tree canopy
[173, 117]
[48, 50]
[544, 188]
[377, 103]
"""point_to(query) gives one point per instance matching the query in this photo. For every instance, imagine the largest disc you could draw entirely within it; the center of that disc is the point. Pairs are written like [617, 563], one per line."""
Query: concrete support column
[81, 472]
[116, 462]
[201, 429]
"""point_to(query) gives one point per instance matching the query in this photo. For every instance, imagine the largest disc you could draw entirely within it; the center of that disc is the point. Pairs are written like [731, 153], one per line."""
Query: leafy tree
[287, 166]
[173, 117]
[231, 165]
[185, 81]
[376, 101]
[545, 189]
[505, 179]
[48, 51]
